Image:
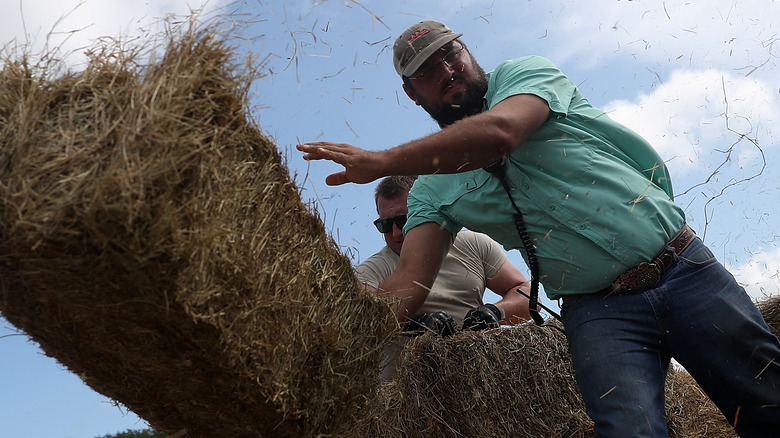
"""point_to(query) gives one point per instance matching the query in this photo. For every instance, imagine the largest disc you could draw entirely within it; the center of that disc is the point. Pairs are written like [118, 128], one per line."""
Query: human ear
[410, 92]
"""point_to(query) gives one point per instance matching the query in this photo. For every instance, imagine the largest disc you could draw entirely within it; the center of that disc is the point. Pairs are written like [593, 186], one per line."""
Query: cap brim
[421, 57]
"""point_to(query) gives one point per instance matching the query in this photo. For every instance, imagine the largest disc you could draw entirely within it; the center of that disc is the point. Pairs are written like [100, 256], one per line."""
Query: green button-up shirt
[595, 196]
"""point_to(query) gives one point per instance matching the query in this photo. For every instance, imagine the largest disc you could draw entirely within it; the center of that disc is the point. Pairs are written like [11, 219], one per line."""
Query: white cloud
[760, 276]
[713, 34]
[71, 25]
[694, 114]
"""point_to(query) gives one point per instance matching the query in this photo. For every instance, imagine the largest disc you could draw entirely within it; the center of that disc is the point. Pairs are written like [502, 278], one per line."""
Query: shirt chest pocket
[480, 204]
[468, 185]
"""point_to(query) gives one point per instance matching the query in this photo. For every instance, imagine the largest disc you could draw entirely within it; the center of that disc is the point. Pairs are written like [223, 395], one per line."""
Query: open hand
[360, 166]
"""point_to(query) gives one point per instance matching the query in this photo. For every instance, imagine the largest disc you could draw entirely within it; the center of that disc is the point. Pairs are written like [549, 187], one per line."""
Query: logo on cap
[418, 34]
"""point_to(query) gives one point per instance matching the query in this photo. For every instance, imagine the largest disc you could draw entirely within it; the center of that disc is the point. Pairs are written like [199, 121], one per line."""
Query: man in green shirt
[524, 158]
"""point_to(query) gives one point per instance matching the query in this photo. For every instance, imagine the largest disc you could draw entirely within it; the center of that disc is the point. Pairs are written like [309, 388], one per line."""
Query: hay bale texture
[690, 413]
[515, 382]
[152, 241]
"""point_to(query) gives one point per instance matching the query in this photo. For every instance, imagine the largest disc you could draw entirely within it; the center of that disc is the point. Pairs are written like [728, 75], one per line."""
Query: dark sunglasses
[386, 225]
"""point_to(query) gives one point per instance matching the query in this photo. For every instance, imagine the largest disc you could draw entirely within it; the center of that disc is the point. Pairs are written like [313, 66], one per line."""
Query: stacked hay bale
[690, 413]
[514, 381]
[151, 240]
[511, 382]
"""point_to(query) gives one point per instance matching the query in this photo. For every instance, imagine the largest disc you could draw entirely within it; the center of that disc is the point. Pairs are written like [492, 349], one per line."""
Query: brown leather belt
[645, 275]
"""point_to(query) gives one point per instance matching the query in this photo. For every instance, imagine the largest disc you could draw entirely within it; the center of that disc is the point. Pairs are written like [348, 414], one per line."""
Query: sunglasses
[386, 225]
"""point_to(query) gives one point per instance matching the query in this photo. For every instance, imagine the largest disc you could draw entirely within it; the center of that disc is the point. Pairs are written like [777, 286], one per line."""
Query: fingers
[337, 179]
[359, 168]
[313, 152]
[322, 150]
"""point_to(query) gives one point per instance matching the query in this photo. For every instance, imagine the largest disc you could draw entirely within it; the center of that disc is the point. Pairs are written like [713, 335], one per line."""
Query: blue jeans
[621, 346]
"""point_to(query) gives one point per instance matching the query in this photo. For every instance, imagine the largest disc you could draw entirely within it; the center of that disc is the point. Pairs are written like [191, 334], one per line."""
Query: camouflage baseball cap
[417, 43]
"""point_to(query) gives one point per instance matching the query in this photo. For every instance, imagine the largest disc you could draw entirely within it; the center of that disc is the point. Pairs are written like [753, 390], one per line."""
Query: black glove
[439, 323]
[483, 317]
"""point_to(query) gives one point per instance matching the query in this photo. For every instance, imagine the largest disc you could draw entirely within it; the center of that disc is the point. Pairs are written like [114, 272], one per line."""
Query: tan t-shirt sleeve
[376, 268]
[488, 253]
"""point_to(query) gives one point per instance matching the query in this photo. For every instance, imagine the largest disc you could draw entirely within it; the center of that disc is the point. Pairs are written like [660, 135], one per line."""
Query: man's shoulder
[434, 186]
[428, 182]
[376, 268]
[435, 190]
[524, 62]
[384, 255]
[466, 235]
[469, 240]
[478, 251]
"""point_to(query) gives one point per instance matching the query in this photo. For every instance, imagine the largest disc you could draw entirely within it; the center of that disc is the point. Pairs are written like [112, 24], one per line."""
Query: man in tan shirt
[474, 262]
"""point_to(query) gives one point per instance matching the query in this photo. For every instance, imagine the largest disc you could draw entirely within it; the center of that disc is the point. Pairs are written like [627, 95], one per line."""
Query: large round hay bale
[152, 241]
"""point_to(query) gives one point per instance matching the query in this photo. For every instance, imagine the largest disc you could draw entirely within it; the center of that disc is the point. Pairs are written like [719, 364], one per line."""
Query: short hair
[392, 187]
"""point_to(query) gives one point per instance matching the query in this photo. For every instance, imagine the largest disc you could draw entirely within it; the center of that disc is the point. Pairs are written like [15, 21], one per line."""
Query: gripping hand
[482, 317]
[438, 323]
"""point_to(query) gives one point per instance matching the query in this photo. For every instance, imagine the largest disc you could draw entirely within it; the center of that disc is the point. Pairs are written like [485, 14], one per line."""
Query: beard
[471, 102]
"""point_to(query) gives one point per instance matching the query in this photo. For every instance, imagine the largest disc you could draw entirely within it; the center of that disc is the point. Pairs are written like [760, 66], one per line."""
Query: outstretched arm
[468, 144]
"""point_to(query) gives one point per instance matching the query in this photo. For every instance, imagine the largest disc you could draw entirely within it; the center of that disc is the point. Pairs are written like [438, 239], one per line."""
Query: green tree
[144, 433]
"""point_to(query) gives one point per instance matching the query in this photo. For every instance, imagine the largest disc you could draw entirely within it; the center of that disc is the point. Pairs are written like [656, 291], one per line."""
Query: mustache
[456, 75]
[446, 83]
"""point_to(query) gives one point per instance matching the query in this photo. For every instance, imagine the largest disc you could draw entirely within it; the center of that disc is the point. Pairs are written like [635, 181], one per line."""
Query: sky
[697, 79]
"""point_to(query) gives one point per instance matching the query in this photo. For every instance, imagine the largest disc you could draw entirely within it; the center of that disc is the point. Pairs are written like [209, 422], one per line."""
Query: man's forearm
[407, 295]
[469, 144]
[515, 305]
[422, 255]
[473, 142]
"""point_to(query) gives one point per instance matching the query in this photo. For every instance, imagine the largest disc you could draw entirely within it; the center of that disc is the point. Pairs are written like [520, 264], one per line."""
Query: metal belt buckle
[637, 279]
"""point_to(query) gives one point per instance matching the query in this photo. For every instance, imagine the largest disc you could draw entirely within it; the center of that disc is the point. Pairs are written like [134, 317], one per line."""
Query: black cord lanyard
[497, 169]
